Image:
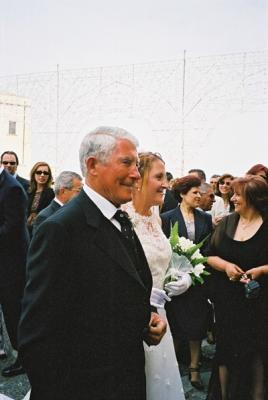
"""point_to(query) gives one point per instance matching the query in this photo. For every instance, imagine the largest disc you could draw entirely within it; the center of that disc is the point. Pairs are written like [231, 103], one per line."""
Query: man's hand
[156, 329]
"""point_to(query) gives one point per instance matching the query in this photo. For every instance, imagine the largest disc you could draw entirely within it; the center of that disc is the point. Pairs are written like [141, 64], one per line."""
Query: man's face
[115, 179]
[76, 189]
[207, 200]
[9, 163]
[213, 183]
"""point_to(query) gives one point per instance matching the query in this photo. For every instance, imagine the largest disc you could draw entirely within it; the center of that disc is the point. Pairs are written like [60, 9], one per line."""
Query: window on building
[12, 128]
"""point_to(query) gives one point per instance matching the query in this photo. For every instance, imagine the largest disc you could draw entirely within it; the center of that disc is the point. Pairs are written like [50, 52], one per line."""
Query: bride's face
[156, 184]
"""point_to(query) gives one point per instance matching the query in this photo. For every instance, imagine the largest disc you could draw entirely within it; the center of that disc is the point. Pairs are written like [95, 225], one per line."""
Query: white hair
[101, 142]
[204, 187]
[65, 180]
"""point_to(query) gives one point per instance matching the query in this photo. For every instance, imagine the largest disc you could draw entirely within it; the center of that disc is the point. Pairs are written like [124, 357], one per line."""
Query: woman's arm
[232, 270]
[258, 271]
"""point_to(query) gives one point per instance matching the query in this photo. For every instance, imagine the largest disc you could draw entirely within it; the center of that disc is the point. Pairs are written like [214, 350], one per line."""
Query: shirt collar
[105, 206]
[1, 170]
[58, 201]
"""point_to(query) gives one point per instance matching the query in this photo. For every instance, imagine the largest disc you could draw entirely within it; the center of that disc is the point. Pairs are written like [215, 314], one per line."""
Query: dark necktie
[126, 226]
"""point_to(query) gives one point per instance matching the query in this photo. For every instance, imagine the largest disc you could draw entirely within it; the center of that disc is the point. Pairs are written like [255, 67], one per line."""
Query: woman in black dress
[40, 193]
[240, 245]
[188, 313]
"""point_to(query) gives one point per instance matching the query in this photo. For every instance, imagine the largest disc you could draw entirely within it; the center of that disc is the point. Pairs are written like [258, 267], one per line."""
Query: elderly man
[86, 307]
[67, 185]
[13, 249]
[207, 197]
[10, 161]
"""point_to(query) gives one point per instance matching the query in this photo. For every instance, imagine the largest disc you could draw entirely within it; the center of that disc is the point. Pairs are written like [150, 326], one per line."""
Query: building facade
[15, 129]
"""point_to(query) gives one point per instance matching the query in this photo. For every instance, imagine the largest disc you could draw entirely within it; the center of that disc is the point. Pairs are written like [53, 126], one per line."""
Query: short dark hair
[12, 153]
[184, 184]
[169, 176]
[201, 174]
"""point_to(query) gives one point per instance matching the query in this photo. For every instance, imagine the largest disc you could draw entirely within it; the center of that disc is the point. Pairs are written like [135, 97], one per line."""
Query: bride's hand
[156, 330]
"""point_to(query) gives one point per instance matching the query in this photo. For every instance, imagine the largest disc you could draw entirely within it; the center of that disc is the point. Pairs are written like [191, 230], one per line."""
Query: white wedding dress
[163, 380]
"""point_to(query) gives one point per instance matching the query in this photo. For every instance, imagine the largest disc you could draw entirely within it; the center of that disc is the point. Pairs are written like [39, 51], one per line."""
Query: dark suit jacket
[45, 213]
[188, 314]
[202, 221]
[14, 237]
[46, 197]
[85, 309]
[24, 183]
[170, 202]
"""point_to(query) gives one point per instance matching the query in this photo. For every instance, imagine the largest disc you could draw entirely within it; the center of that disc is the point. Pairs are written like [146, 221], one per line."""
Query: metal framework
[180, 100]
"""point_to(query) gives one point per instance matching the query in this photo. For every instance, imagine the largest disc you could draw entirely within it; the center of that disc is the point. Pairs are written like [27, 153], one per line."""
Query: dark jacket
[170, 202]
[14, 238]
[85, 309]
[46, 197]
[45, 213]
[202, 222]
[24, 183]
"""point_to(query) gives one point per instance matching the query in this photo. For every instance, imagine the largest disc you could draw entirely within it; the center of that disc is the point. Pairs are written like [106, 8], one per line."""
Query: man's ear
[61, 191]
[92, 164]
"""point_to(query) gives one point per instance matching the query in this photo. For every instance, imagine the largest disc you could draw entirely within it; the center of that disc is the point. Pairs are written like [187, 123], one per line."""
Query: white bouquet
[186, 267]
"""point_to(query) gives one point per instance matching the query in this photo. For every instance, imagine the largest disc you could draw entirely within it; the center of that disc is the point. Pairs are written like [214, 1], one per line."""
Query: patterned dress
[163, 381]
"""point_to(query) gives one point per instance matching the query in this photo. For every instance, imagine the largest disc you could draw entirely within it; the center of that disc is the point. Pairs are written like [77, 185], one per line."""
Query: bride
[163, 381]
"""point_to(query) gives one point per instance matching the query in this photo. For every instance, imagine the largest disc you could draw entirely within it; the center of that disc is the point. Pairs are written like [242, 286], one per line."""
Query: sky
[36, 35]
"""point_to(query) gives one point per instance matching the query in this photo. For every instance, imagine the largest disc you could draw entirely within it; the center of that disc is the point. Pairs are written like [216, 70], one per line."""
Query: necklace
[244, 225]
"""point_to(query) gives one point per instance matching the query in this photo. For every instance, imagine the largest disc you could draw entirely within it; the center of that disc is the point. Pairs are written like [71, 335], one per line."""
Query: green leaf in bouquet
[206, 273]
[199, 279]
[197, 246]
[196, 261]
[174, 234]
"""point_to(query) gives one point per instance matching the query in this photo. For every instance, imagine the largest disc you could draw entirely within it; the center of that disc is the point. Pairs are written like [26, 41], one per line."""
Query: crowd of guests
[96, 269]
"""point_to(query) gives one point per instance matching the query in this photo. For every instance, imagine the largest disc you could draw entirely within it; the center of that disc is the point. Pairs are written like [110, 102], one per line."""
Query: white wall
[18, 110]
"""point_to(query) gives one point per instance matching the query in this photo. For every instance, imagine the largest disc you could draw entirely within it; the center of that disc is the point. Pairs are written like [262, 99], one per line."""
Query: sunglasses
[224, 183]
[9, 162]
[42, 173]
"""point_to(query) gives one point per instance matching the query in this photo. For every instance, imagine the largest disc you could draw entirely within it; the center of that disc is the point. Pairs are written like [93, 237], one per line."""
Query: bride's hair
[146, 160]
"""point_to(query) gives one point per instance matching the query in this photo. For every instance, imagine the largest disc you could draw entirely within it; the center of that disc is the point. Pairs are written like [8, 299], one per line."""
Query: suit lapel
[2, 178]
[55, 206]
[199, 225]
[105, 230]
[182, 227]
[116, 250]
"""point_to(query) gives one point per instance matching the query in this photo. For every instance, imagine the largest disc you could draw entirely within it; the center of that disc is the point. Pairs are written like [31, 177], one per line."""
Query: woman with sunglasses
[40, 193]
[239, 246]
[222, 206]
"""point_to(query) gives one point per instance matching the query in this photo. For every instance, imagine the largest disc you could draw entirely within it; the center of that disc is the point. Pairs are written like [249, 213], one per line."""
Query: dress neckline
[236, 220]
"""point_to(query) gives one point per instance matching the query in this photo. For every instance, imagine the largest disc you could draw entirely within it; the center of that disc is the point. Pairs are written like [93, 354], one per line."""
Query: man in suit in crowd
[207, 197]
[67, 185]
[14, 242]
[10, 161]
[199, 173]
[86, 308]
